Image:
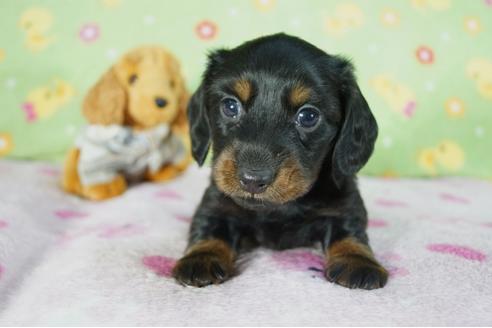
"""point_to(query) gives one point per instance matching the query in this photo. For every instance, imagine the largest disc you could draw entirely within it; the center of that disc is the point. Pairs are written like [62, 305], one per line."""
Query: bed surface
[68, 261]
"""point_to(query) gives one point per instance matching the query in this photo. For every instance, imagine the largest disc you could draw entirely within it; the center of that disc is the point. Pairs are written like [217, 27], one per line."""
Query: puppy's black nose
[255, 182]
[160, 102]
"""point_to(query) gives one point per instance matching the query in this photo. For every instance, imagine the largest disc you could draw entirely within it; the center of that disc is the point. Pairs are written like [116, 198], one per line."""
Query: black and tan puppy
[289, 128]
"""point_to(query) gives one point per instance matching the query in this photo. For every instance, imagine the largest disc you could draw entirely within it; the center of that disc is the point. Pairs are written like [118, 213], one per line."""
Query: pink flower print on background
[160, 265]
[206, 30]
[409, 109]
[29, 112]
[456, 250]
[70, 214]
[299, 261]
[3, 224]
[2, 270]
[425, 55]
[89, 33]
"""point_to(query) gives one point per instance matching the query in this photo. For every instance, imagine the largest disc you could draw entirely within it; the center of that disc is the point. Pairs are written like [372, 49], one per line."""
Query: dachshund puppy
[289, 128]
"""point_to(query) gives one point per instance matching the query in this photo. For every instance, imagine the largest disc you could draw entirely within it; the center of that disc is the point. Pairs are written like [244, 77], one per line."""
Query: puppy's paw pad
[354, 271]
[202, 269]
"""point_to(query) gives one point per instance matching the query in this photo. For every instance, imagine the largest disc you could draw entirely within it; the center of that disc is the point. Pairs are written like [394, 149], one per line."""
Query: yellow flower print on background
[111, 3]
[2, 55]
[397, 96]
[36, 23]
[431, 4]
[480, 70]
[347, 16]
[6, 143]
[44, 101]
[447, 156]
[390, 17]
[264, 5]
[472, 25]
[455, 107]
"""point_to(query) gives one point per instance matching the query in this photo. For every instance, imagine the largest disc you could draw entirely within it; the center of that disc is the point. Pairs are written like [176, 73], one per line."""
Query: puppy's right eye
[132, 78]
[231, 108]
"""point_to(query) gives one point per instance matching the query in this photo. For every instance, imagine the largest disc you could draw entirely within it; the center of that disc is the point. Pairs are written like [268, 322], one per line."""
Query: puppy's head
[281, 116]
[143, 89]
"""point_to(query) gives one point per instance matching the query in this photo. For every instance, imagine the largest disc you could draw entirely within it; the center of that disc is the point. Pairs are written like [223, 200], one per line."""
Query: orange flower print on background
[6, 143]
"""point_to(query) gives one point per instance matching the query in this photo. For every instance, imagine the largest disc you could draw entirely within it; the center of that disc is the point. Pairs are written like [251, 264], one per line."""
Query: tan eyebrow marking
[243, 89]
[299, 95]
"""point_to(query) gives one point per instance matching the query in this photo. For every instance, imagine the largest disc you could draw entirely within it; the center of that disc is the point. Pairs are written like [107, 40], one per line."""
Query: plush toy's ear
[355, 141]
[105, 102]
[199, 126]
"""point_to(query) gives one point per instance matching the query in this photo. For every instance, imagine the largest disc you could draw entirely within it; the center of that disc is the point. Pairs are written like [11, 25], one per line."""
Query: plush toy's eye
[231, 108]
[132, 78]
[307, 117]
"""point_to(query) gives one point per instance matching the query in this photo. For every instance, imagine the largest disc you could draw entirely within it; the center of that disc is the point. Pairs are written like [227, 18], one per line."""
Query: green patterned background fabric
[425, 66]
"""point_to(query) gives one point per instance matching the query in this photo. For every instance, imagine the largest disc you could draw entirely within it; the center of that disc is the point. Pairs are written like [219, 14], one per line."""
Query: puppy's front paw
[356, 271]
[208, 262]
[202, 269]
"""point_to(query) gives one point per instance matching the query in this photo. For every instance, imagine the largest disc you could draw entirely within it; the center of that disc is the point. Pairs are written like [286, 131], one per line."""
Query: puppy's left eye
[231, 108]
[307, 117]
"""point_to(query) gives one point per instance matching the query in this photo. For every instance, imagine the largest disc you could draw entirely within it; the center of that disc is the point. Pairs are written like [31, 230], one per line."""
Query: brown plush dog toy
[137, 127]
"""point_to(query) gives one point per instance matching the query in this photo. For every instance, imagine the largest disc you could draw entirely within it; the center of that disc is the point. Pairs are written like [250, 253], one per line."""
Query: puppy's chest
[286, 232]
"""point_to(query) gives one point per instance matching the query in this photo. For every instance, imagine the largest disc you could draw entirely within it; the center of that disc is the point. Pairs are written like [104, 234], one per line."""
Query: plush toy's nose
[160, 102]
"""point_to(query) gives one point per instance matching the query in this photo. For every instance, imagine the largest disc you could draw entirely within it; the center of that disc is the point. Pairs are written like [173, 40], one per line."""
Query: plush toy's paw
[71, 180]
[105, 190]
[356, 271]
[168, 172]
[209, 262]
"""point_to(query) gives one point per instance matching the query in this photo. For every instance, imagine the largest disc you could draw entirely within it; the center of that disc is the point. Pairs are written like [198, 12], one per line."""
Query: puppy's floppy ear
[355, 141]
[106, 101]
[200, 130]
[199, 126]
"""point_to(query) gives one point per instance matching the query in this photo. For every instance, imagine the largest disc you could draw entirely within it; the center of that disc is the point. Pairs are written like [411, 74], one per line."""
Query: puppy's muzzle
[255, 181]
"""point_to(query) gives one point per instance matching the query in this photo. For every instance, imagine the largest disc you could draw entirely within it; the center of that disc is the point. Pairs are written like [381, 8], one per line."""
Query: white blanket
[66, 261]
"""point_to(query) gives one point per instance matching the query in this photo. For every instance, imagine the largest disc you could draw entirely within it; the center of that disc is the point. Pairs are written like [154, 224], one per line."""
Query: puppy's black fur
[310, 194]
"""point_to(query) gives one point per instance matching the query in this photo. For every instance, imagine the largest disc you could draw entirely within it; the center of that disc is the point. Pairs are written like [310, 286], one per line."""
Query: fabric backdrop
[425, 66]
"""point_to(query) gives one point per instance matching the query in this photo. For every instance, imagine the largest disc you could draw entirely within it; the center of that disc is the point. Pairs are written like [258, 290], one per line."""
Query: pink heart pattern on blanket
[160, 265]
[70, 214]
[461, 251]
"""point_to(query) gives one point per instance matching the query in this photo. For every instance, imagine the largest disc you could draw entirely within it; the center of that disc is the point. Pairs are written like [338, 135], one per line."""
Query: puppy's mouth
[253, 203]
[289, 184]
